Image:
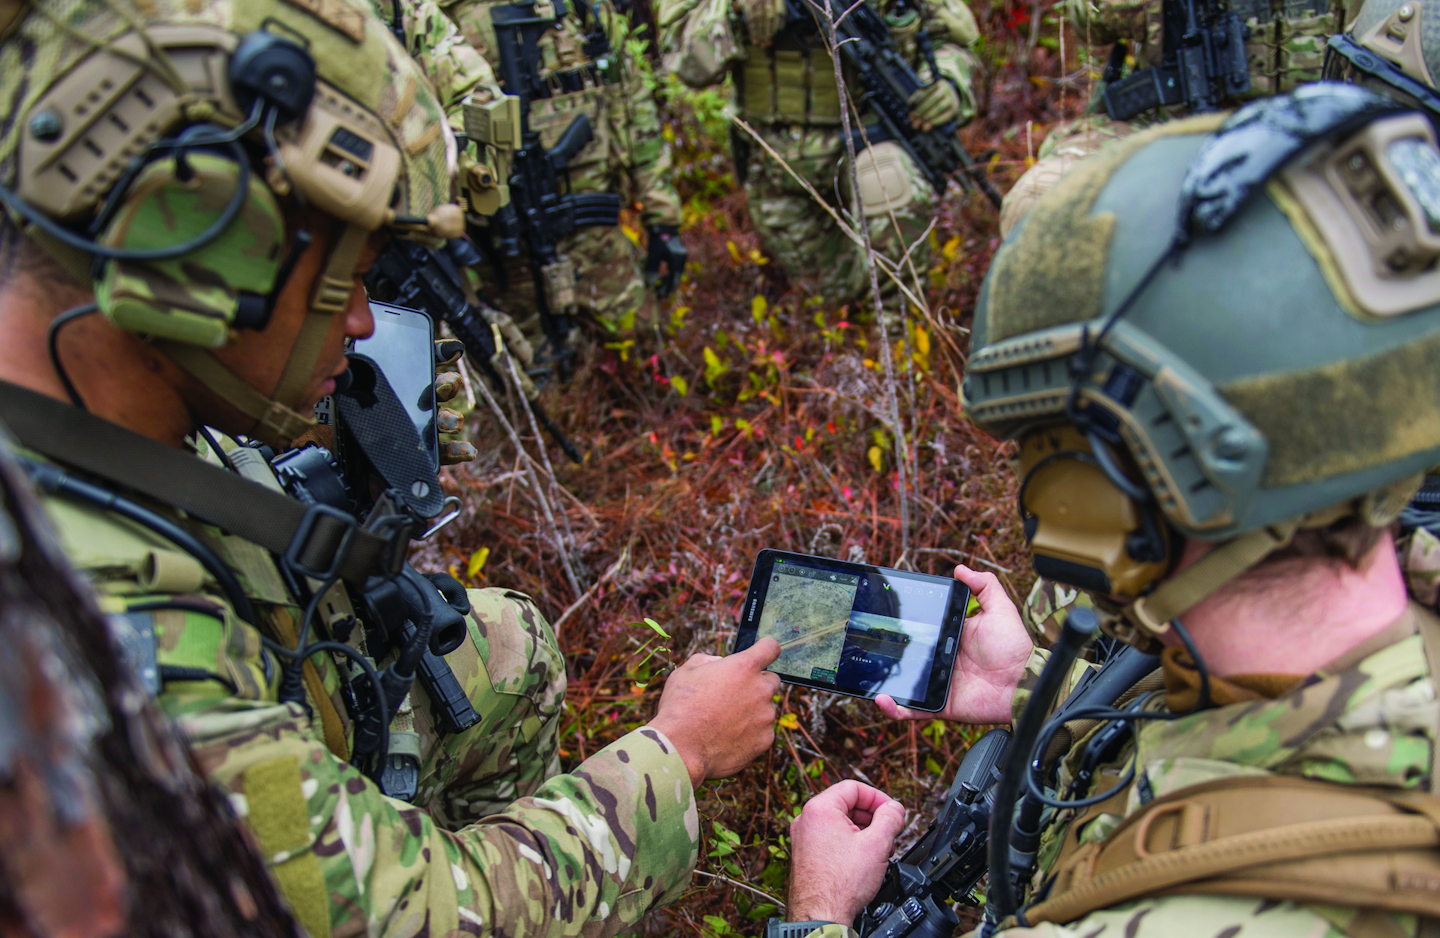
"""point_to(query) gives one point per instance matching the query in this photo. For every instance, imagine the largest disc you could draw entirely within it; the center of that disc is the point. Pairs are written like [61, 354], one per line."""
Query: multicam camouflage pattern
[610, 283]
[1419, 554]
[1372, 722]
[1045, 608]
[705, 40]
[455, 69]
[1287, 40]
[628, 155]
[804, 238]
[497, 843]
[1286, 49]
[352, 51]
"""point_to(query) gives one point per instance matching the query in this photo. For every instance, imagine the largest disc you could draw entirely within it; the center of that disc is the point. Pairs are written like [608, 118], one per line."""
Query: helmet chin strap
[277, 419]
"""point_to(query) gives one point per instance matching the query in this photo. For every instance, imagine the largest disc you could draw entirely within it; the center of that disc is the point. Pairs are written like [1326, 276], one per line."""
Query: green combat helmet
[152, 147]
[1222, 335]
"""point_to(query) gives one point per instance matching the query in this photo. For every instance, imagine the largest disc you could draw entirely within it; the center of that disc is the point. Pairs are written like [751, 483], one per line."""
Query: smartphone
[856, 629]
[403, 345]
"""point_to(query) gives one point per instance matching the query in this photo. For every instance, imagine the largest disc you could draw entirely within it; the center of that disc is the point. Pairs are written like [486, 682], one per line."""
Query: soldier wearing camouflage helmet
[785, 89]
[192, 192]
[1218, 377]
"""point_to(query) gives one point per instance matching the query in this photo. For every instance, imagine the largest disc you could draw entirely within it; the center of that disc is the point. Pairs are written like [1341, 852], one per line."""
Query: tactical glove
[763, 19]
[665, 248]
[935, 104]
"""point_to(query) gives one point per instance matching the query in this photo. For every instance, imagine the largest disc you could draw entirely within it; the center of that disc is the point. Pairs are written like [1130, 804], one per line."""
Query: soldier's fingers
[761, 654]
[448, 351]
[894, 711]
[453, 452]
[447, 385]
[447, 420]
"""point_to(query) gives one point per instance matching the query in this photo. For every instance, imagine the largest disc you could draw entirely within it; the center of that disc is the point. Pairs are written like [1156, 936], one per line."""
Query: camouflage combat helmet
[1221, 327]
[150, 146]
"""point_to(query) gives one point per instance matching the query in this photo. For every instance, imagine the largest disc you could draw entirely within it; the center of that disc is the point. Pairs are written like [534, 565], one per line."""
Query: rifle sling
[321, 540]
[1266, 836]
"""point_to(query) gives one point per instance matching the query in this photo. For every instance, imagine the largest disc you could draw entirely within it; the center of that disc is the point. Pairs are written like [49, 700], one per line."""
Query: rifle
[887, 81]
[1202, 63]
[420, 618]
[409, 274]
[952, 855]
[539, 213]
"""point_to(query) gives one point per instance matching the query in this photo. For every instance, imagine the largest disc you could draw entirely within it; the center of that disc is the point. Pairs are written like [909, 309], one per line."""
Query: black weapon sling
[316, 540]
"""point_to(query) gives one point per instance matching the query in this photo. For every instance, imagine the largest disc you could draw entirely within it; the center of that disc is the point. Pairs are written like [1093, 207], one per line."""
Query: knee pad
[884, 178]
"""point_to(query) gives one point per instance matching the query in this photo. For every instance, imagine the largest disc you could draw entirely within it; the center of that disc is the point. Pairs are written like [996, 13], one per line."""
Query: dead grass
[687, 476]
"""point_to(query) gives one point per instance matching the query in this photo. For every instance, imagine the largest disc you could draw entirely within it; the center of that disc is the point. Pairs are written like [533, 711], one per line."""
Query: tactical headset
[1088, 523]
[188, 240]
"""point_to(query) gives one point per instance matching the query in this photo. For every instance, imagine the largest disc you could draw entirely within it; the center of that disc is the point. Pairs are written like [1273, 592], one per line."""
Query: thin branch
[535, 485]
[739, 885]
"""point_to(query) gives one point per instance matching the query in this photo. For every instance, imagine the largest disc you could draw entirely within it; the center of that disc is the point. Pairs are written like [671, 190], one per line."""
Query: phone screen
[403, 345]
[856, 629]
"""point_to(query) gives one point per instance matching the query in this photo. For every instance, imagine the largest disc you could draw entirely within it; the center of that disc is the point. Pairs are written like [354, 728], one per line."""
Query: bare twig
[739, 885]
[535, 485]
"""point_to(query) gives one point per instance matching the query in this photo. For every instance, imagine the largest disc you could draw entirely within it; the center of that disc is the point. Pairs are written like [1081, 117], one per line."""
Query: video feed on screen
[865, 633]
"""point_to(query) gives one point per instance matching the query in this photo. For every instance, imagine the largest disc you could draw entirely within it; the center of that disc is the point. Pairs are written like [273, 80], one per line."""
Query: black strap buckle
[310, 524]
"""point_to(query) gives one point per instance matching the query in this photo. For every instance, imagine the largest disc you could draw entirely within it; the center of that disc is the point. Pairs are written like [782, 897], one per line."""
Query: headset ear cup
[198, 297]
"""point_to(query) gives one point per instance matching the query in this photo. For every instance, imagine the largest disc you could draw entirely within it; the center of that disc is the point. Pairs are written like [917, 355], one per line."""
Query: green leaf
[682, 387]
[933, 767]
[717, 424]
[762, 910]
[714, 365]
[656, 626]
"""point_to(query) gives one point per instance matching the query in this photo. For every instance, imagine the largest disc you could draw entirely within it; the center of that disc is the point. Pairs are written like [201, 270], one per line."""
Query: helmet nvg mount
[1222, 328]
[155, 147]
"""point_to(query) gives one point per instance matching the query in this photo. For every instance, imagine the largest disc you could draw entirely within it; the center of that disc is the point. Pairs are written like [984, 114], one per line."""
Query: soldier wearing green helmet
[192, 192]
[1213, 344]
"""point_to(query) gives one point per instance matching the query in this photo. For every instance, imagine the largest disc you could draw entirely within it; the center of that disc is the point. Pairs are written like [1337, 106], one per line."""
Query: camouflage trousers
[373, 852]
[804, 237]
[611, 290]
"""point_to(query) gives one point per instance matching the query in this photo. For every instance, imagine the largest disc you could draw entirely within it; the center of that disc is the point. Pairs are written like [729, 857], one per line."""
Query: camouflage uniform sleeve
[1038, 659]
[646, 155]
[953, 29]
[1101, 22]
[455, 69]
[699, 40]
[588, 853]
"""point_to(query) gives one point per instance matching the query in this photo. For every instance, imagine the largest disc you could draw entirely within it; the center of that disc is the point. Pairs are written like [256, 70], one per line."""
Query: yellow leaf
[869, 363]
[681, 385]
[477, 561]
[877, 458]
[734, 252]
[744, 426]
[758, 259]
[922, 341]
[757, 308]
[790, 721]
[951, 248]
[632, 234]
